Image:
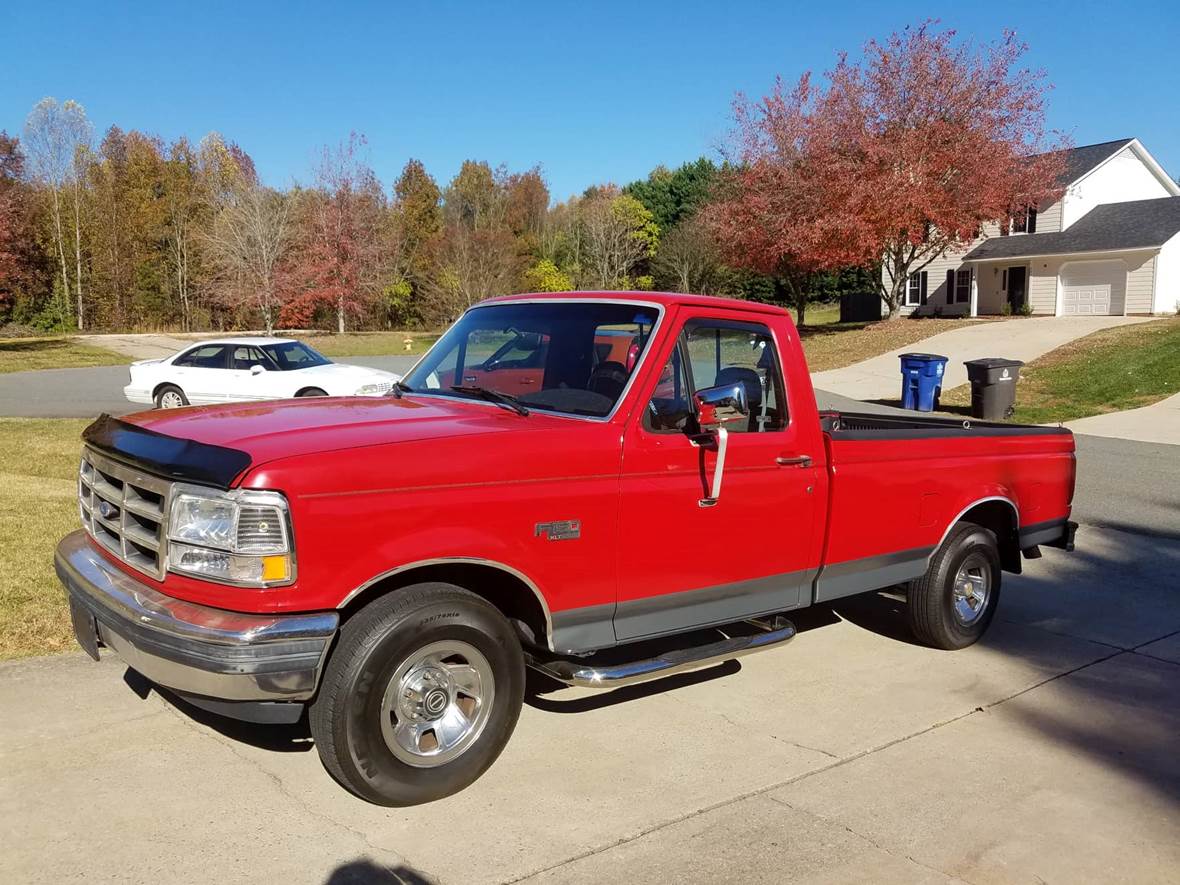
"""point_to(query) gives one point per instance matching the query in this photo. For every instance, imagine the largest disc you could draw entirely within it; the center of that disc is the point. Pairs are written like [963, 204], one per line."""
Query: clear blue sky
[592, 91]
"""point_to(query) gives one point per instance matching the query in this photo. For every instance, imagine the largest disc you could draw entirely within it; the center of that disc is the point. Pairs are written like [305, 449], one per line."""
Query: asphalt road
[87, 393]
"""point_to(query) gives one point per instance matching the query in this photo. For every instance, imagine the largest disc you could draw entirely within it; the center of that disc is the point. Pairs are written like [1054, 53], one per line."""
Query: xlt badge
[561, 530]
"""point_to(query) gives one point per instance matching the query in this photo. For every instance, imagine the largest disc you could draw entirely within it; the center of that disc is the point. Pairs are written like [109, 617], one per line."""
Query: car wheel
[420, 695]
[170, 397]
[952, 605]
[312, 391]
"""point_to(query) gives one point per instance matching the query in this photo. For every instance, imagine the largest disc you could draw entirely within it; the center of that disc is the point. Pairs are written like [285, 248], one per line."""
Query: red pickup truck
[393, 565]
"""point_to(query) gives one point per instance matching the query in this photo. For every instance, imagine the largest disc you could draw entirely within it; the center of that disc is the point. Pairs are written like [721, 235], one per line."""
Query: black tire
[931, 604]
[167, 389]
[312, 391]
[346, 715]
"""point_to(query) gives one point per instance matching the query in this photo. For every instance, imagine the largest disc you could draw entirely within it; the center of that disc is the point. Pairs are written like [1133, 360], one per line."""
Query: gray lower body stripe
[871, 573]
[709, 606]
[584, 629]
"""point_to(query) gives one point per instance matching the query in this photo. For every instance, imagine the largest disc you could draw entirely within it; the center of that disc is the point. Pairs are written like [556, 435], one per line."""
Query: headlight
[241, 537]
[372, 389]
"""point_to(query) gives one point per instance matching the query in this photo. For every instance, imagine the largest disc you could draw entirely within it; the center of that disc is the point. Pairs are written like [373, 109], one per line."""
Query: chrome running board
[585, 674]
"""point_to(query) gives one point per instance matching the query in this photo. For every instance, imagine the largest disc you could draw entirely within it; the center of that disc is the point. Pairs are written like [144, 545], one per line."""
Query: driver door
[685, 563]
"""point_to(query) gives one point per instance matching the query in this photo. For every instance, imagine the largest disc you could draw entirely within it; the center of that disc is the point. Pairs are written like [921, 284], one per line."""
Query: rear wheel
[312, 391]
[420, 695]
[952, 605]
[170, 397]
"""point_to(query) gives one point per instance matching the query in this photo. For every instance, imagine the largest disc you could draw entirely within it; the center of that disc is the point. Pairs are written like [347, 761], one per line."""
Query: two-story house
[1109, 245]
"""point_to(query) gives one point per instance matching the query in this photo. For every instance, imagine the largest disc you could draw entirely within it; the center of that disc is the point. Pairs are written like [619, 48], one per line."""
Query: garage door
[1093, 287]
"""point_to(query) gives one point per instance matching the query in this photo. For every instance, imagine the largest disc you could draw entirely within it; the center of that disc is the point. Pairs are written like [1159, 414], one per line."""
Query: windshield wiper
[493, 396]
[398, 388]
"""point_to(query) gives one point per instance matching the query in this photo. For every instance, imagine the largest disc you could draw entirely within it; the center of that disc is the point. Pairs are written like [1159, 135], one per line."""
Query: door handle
[798, 461]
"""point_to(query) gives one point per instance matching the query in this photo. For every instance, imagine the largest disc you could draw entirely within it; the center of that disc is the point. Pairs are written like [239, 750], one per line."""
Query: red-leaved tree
[896, 159]
[338, 260]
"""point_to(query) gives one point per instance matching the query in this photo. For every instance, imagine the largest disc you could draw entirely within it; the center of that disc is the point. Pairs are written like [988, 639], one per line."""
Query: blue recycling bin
[921, 380]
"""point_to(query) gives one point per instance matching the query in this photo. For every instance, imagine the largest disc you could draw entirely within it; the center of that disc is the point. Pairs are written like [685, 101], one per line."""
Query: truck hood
[289, 428]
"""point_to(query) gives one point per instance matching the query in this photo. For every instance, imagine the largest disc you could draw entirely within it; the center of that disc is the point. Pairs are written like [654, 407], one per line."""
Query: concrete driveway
[1046, 752]
[1020, 339]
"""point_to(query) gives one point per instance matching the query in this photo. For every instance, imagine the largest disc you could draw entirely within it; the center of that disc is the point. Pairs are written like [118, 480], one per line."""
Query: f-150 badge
[562, 530]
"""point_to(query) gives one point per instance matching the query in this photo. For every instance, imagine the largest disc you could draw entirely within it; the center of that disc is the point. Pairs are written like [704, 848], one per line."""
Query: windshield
[568, 357]
[289, 355]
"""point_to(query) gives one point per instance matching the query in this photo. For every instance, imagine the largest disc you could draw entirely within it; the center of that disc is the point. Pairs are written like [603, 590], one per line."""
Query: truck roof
[664, 299]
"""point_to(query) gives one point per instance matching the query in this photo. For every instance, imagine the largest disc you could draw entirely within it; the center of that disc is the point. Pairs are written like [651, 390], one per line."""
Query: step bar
[586, 674]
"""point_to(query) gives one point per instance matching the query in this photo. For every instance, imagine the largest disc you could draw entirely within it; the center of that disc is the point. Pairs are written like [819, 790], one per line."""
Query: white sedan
[240, 369]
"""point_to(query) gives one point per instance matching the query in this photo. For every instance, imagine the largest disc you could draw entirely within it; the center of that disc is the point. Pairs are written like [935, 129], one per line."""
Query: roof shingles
[1138, 224]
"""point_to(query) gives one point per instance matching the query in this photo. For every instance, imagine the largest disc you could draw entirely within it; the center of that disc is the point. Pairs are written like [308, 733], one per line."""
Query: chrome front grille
[126, 511]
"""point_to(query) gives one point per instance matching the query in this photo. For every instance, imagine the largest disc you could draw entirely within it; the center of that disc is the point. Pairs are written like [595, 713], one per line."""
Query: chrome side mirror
[716, 407]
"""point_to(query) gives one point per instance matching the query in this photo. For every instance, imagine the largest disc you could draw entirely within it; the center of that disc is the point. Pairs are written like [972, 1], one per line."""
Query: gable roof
[1111, 227]
[1084, 159]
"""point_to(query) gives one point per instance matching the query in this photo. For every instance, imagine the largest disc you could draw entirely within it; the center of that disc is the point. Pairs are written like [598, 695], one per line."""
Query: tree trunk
[59, 235]
[340, 314]
[78, 250]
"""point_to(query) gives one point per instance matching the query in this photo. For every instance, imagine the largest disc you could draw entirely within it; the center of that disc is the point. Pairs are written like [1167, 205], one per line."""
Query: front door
[1017, 281]
[684, 562]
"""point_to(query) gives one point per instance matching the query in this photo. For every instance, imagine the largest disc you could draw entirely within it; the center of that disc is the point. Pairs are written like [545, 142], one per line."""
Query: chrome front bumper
[187, 647]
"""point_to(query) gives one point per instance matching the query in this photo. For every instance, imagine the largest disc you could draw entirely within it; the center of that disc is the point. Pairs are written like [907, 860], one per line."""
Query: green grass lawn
[38, 505]
[27, 354]
[372, 343]
[1122, 368]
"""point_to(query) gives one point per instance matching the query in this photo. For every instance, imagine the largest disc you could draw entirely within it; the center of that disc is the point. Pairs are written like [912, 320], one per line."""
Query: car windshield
[289, 355]
[569, 357]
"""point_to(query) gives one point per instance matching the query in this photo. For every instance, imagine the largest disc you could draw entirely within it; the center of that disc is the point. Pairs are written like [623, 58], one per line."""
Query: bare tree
[57, 140]
[247, 242]
[688, 259]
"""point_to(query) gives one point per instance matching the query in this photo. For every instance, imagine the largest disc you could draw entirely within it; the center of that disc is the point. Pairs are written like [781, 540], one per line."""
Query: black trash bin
[993, 387]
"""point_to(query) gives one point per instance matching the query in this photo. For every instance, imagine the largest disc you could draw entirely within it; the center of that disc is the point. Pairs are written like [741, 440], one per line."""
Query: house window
[1025, 221]
[962, 286]
[915, 290]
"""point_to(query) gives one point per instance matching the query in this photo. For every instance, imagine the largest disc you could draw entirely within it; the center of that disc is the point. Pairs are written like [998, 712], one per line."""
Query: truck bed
[897, 483]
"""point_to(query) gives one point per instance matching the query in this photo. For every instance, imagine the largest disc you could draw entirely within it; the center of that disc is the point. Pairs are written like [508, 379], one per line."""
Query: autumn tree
[618, 235]
[689, 259]
[896, 159]
[339, 256]
[56, 140]
[417, 220]
[673, 196]
[21, 265]
[478, 255]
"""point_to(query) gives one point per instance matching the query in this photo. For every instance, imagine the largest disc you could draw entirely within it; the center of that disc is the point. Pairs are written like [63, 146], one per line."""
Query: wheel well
[303, 390]
[515, 599]
[1000, 518]
[156, 390]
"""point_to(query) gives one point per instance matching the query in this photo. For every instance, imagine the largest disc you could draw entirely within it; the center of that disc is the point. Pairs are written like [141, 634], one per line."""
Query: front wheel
[952, 605]
[420, 695]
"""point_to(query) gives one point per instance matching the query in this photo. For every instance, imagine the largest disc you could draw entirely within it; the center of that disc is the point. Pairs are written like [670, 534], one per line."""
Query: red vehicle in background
[580, 483]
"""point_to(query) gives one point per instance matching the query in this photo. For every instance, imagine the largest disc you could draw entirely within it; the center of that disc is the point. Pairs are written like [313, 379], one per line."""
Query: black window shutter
[950, 287]
[1032, 220]
[923, 285]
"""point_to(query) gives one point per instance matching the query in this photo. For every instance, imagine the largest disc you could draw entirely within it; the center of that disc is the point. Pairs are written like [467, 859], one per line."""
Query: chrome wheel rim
[170, 399]
[972, 589]
[437, 703]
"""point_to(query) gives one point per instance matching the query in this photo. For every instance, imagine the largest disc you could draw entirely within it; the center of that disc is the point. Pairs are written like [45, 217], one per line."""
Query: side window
[208, 356]
[670, 408]
[740, 353]
[247, 357]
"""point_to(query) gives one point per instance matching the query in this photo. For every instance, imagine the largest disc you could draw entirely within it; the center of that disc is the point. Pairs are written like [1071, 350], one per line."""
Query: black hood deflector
[179, 459]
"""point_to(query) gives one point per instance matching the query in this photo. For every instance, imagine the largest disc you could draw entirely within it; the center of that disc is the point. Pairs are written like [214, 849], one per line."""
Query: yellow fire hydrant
[409, 343]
